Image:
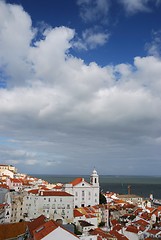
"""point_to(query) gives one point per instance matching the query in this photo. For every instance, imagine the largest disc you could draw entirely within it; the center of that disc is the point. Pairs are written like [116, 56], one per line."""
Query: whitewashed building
[52, 204]
[8, 167]
[14, 184]
[85, 194]
[6, 173]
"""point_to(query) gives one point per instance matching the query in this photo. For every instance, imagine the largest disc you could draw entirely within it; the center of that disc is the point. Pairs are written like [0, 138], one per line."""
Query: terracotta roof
[44, 229]
[141, 222]
[76, 181]
[57, 187]
[2, 205]
[47, 228]
[12, 230]
[34, 191]
[77, 213]
[54, 193]
[118, 235]
[100, 232]
[15, 180]
[132, 229]
[117, 227]
[153, 231]
[114, 222]
[4, 186]
[36, 223]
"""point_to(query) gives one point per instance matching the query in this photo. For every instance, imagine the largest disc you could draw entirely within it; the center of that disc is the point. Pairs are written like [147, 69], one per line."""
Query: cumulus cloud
[59, 110]
[138, 5]
[15, 39]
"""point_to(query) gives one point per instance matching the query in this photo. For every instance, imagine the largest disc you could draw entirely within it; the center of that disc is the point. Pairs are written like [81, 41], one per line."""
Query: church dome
[94, 172]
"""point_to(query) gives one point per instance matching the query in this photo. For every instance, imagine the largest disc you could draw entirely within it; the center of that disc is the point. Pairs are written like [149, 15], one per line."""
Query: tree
[102, 199]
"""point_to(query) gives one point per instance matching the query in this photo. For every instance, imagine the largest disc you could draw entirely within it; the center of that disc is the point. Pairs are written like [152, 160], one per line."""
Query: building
[14, 184]
[85, 194]
[131, 198]
[53, 231]
[52, 204]
[8, 167]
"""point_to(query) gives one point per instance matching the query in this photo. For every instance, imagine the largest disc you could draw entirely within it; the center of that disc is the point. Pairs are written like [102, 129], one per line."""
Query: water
[140, 185]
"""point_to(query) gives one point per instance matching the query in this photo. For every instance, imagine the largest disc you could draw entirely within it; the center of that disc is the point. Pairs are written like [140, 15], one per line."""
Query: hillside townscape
[31, 208]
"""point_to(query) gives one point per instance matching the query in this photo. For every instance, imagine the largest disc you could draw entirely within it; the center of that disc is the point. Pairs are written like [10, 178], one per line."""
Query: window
[63, 213]
[82, 193]
[60, 199]
[76, 194]
[49, 200]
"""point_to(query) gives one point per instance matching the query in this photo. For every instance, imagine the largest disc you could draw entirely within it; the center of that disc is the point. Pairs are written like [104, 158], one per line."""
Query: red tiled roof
[141, 222]
[34, 191]
[153, 231]
[77, 213]
[15, 180]
[118, 235]
[57, 187]
[4, 186]
[76, 181]
[36, 223]
[12, 230]
[44, 229]
[2, 205]
[55, 193]
[47, 228]
[114, 222]
[117, 227]
[132, 229]
[100, 232]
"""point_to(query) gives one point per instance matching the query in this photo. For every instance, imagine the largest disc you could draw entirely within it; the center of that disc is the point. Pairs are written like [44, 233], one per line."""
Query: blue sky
[80, 86]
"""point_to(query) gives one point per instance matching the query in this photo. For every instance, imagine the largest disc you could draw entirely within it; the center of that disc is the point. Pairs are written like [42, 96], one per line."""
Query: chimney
[129, 189]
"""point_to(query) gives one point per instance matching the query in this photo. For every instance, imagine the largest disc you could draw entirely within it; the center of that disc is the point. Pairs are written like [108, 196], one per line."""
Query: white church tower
[94, 181]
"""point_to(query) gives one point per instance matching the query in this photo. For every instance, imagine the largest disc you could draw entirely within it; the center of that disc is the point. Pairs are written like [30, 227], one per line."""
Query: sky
[80, 86]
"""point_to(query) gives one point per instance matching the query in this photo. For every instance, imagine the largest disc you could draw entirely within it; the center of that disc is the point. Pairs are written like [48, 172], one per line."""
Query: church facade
[85, 194]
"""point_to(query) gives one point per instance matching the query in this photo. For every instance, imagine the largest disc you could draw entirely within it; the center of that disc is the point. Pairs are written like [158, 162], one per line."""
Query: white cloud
[15, 39]
[132, 6]
[91, 39]
[154, 48]
[67, 108]
[93, 10]
[94, 39]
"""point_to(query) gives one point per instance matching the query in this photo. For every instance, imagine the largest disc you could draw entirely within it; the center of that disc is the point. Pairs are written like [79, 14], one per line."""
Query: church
[85, 194]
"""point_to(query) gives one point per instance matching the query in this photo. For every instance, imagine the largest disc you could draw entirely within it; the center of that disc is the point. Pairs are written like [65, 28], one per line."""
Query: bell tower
[94, 179]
